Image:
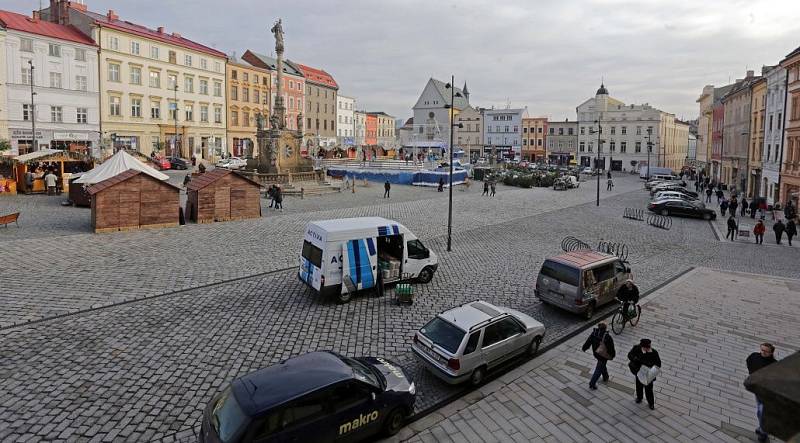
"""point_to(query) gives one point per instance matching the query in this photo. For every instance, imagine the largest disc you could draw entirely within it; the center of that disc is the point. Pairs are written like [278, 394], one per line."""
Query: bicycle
[620, 318]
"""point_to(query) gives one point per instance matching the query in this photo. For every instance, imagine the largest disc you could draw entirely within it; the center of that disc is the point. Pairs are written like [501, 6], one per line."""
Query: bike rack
[659, 221]
[633, 214]
[569, 244]
[618, 249]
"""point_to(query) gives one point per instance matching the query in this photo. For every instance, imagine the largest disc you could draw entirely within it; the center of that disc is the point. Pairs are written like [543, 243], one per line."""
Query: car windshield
[227, 417]
[363, 372]
[443, 334]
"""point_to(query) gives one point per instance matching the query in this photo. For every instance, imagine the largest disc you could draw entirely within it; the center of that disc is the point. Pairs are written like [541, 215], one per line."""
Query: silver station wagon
[466, 342]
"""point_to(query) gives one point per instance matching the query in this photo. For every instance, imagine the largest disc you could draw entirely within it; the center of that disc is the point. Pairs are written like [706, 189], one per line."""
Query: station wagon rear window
[443, 334]
[312, 254]
[561, 272]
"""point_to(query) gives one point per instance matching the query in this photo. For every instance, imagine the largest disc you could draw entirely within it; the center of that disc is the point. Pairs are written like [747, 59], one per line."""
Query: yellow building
[758, 110]
[249, 92]
[674, 139]
[151, 83]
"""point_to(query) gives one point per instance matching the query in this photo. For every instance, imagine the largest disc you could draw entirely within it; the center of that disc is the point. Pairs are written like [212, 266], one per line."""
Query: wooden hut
[221, 195]
[133, 200]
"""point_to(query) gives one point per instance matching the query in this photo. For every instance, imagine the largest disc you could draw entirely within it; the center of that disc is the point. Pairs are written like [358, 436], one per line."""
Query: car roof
[582, 258]
[266, 388]
[473, 313]
[352, 224]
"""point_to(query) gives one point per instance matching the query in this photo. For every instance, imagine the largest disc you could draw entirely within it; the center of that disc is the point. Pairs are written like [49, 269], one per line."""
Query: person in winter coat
[708, 195]
[386, 188]
[732, 227]
[441, 185]
[791, 230]
[485, 188]
[778, 227]
[753, 208]
[600, 336]
[640, 355]
[493, 187]
[758, 231]
[723, 206]
[278, 196]
[628, 294]
[733, 206]
[743, 211]
[755, 362]
[720, 196]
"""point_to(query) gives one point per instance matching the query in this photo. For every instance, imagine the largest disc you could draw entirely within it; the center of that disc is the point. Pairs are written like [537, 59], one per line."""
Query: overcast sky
[546, 55]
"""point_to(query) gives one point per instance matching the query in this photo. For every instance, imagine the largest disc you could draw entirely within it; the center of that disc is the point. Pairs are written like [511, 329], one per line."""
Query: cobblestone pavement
[699, 396]
[143, 370]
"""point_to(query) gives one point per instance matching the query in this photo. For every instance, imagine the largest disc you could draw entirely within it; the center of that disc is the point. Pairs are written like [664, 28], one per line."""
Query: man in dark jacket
[640, 355]
[386, 188]
[733, 206]
[753, 208]
[628, 294]
[778, 227]
[756, 361]
[720, 195]
[743, 211]
[708, 195]
[600, 335]
[791, 230]
[732, 226]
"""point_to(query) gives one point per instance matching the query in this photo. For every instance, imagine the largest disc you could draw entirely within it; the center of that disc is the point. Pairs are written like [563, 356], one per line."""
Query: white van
[343, 256]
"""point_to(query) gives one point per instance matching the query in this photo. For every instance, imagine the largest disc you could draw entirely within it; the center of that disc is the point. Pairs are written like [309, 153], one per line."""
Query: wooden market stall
[133, 200]
[112, 166]
[222, 195]
[62, 163]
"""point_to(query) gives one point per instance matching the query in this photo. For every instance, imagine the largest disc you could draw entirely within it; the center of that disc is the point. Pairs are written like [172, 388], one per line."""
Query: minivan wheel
[589, 312]
[706, 216]
[477, 376]
[533, 348]
[344, 297]
[425, 275]
[664, 212]
[394, 422]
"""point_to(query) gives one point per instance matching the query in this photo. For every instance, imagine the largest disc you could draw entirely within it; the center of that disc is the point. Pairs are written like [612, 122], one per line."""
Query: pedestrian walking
[608, 175]
[778, 227]
[50, 181]
[610, 183]
[708, 195]
[743, 211]
[441, 185]
[790, 211]
[386, 188]
[791, 230]
[643, 356]
[753, 208]
[603, 350]
[720, 196]
[29, 181]
[733, 206]
[485, 188]
[278, 195]
[732, 227]
[758, 231]
[723, 206]
[755, 362]
[493, 186]
[271, 195]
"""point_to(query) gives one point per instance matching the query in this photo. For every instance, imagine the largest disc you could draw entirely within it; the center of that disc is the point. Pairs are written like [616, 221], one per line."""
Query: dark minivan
[315, 397]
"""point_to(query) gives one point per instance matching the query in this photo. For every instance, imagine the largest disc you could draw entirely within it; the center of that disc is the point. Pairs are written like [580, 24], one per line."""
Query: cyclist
[628, 294]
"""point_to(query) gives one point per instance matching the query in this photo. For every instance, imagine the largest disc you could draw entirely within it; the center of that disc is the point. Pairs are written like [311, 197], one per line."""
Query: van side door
[416, 259]
[605, 283]
[359, 264]
[501, 340]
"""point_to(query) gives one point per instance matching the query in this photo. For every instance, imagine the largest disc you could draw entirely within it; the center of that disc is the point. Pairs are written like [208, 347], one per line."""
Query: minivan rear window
[312, 253]
[444, 334]
[561, 272]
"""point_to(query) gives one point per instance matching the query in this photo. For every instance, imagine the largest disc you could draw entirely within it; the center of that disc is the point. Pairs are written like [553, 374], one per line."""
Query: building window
[217, 89]
[173, 57]
[136, 107]
[114, 106]
[82, 115]
[81, 83]
[624, 130]
[234, 118]
[80, 55]
[155, 110]
[524, 142]
[613, 130]
[203, 63]
[612, 146]
[583, 130]
[136, 75]
[188, 84]
[26, 45]
[55, 79]
[265, 80]
[234, 74]
[135, 48]
[583, 146]
[172, 82]
[189, 110]
[113, 43]
[217, 115]
[54, 51]
[113, 72]
[155, 79]
[26, 75]
[217, 67]
[245, 94]
[256, 96]
[203, 87]
[56, 114]
[154, 52]
[173, 111]
[204, 113]
[187, 60]
[26, 112]
[245, 119]
[623, 147]
[245, 77]
[234, 93]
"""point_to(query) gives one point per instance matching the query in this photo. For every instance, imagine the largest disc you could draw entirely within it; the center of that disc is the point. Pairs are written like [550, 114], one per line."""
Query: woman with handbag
[645, 364]
[603, 349]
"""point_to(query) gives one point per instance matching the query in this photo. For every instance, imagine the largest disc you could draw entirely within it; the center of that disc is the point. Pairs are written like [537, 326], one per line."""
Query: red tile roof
[213, 175]
[121, 177]
[143, 31]
[19, 22]
[317, 76]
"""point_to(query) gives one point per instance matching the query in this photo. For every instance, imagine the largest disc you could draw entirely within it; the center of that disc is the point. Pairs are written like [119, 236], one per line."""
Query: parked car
[463, 343]
[232, 163]
[682, 208]
[161, 163]
[671, 187]
[586, 170]
[674, 194]
[179, 163]
[572, 181]
[315, 397]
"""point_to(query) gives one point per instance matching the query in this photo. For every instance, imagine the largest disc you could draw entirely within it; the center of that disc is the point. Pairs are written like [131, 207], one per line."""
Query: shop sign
[24, 134]
[70, 136]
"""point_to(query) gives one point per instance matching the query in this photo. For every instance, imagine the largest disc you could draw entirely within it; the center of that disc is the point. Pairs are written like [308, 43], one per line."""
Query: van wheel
[343, 298]
[589, 312]
[425, 275]
[394, 422]
[477, 376]
[533, 348]
[706, 216]
[664, 212]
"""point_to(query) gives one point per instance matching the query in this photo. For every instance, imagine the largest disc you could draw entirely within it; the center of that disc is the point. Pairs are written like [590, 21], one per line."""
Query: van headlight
[412, 389]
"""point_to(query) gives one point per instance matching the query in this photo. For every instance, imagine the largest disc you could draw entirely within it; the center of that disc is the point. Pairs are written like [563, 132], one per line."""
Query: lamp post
[34, 144]
[453, 95]
[649, 149]
[175, 140]
[597, 161]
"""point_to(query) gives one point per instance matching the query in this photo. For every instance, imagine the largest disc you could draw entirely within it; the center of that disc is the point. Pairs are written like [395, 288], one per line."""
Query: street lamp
[649, 149]
[175, 140]
[597, 160]
[34, 144]
[453, 95]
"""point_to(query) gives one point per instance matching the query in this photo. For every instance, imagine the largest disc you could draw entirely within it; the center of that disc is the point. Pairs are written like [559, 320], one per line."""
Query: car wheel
[425, 276]
[533, 348]
[664, 212]
[706, 216]
[344, 297]
[589, 312]
[477, 376]
[394, 422]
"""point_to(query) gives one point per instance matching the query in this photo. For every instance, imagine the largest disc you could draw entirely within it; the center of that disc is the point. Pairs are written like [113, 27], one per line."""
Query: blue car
[315, 397]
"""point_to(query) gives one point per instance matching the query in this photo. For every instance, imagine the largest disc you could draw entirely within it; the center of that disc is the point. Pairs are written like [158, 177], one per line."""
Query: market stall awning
[117, 164]
[24, 158]
[778, 387]
[426, 144]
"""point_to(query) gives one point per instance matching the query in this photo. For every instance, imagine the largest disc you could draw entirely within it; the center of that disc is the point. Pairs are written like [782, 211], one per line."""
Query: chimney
[77, 5]
[750, 73]
[160, 29]
[35, 17]
[112, 15]
[176, 35]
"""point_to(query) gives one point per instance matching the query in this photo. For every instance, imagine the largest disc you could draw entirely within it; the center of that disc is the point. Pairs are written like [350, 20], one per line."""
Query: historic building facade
[249, 95]
[790, 171]
[773, 134]
[345, 120]
[758, 110]
[432, 113]
[360, 127]
[370, 130]
[469, 136]
[293, 87]
[562, 142]
[385, 130]
[736, 132]
[320, 107]
[534, 137]
[502, 132]
[64, 66]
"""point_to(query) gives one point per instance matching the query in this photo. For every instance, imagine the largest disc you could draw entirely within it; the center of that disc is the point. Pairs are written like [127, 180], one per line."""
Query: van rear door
[311, 265]
[359, 264]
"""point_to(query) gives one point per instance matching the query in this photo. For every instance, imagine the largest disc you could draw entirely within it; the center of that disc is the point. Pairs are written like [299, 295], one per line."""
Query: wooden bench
[5, 220]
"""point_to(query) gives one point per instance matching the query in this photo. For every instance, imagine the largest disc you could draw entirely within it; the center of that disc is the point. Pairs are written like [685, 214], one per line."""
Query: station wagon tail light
[454, 364]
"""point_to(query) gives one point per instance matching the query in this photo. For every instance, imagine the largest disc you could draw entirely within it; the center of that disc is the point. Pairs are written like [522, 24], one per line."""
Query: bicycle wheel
[635, 320]
[617, 323]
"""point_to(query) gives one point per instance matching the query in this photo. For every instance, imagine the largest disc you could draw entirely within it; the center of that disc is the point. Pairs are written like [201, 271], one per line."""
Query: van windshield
[312, 254]
[561, 272]
[227, 417]
[443, 334]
